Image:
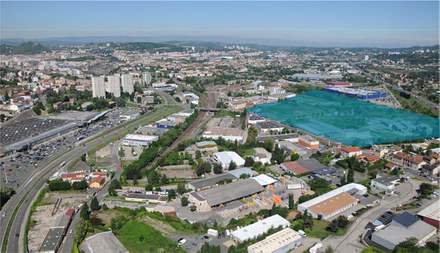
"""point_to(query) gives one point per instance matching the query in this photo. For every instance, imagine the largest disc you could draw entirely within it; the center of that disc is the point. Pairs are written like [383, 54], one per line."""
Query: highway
[16, 208]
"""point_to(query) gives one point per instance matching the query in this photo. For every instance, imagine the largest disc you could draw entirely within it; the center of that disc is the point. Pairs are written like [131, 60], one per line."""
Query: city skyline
[357, 24]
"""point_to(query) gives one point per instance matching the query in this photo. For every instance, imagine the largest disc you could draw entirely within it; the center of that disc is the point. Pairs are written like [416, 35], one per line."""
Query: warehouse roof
[264, 180]
[229, 192]
[333, 204]
[226, 157]
[432, 211]
[397, 234]
[259, 227]
[275, 241]
[406, 219]
[386, 180]
[208, 182]
[240, 171]
[53, 239]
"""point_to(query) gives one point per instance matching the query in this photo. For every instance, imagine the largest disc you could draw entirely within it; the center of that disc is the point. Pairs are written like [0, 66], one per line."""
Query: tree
[193, 208]
[252, 135]
[329, 250]
[184, 201]
[153, 177]
[180, 188]
[350, 175]
[81, 185]
[198, 154]
[171, 194]
[218, 168]
[84, 213]
[278, 155]
[164, 179]
[114, 185]
[249, 162]
[291, 202]
[139, 100]
[94, 205]
[207, 248]
[59, 185]
[232, 165]
[294, 157]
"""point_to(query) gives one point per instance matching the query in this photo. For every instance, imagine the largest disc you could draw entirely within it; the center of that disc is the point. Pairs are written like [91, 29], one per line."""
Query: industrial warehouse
[207, 199]
[334, 202]
[357, 93]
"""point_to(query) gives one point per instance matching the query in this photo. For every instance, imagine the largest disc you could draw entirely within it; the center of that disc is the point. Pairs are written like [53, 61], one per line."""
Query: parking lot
[16, 168]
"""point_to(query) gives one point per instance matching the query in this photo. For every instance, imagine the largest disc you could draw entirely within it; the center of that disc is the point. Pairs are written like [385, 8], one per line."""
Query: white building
[229, 134]
[280, 242]
[333, 202]
[146, 77]
[139, 140]
[98, 87]
[225, 158]
[276, 91]
[114, 85]
[127, 83]
[384, 182]
[258, 228]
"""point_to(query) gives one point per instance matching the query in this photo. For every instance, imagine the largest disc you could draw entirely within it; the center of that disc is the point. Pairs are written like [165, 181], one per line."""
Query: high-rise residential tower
[114, 85]
[146, 78]
[127, 83]
[98, 87]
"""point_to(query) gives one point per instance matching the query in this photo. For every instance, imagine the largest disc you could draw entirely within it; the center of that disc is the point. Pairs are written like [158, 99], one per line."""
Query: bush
[193, 208]
[81, 185]
[59, 185]
[184, 201]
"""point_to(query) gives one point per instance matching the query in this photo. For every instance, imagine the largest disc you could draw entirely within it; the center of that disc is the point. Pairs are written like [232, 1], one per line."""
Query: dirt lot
[42, 219]
[178, 171]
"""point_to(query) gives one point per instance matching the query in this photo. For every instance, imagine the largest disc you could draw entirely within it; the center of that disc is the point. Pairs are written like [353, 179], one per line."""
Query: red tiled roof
[351, 149]
[295, 167]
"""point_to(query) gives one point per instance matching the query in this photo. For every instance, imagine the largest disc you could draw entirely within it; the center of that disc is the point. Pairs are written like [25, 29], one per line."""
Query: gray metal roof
[208, 182]
[406, 219]
[386, 179]
[311, 164]
[232, 191]
[53, 239]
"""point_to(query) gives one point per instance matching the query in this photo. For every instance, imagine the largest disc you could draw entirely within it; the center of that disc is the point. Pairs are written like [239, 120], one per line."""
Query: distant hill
[24, 48]
[147, 47]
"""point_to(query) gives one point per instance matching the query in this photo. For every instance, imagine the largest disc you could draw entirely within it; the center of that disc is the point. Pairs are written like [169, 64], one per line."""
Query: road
[21, 201]
[349, 243]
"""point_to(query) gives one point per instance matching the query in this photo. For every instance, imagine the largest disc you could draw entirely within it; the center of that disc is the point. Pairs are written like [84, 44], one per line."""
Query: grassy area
[139, 237]
[371, 249]
[365, 182]
[249, 152]
[414, 105]
[319, 231]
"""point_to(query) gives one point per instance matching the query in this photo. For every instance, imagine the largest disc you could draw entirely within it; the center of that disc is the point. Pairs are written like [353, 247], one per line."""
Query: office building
[98, 87]
[127, 83]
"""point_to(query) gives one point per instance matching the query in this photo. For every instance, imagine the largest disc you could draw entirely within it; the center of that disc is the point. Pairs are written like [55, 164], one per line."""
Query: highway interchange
[15, 210]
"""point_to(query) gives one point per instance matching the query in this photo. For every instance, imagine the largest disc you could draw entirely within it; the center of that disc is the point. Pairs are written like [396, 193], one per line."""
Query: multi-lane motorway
[14, 220]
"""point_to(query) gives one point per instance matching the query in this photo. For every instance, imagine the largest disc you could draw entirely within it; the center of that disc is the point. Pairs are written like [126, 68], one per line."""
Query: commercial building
[269, 126]
[401, 228]
[139, 140]
[165, 124]
[98, 87]
[147, 198]
[334, 202]
[226, 157]
[258, 228]
[229, 134]
[384, 182]
[350, 151]
[52, 241]
[302, 166]
[262, 155]
[308, 142]
[280, 242]
[127, 83]
[114, 85]
[210, 182]
[357, 93]
[205, 200]
[105, 242]
[206, 145]
[254, 119]
[431, 214]
[129, 115]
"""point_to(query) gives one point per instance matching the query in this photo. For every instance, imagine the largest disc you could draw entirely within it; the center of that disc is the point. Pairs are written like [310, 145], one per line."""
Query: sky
[316, 23]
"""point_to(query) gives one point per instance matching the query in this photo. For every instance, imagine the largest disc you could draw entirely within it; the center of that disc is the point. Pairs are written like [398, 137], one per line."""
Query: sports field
[349, 121]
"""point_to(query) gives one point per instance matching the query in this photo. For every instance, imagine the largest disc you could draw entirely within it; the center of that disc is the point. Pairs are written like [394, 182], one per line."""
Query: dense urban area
[214, 147]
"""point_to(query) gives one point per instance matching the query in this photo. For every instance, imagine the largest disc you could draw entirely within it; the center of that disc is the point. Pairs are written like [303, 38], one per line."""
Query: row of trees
[60, 185]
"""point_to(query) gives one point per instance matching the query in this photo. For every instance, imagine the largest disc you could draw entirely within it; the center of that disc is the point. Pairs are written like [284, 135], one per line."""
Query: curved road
[25, 195]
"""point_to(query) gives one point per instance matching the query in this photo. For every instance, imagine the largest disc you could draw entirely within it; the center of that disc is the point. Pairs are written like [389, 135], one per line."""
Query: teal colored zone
[349, 121]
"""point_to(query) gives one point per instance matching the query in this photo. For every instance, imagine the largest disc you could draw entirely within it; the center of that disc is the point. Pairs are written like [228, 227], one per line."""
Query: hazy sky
[346, 23]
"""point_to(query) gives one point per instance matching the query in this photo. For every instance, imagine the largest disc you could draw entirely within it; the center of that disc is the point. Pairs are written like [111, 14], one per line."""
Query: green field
[139, 237]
